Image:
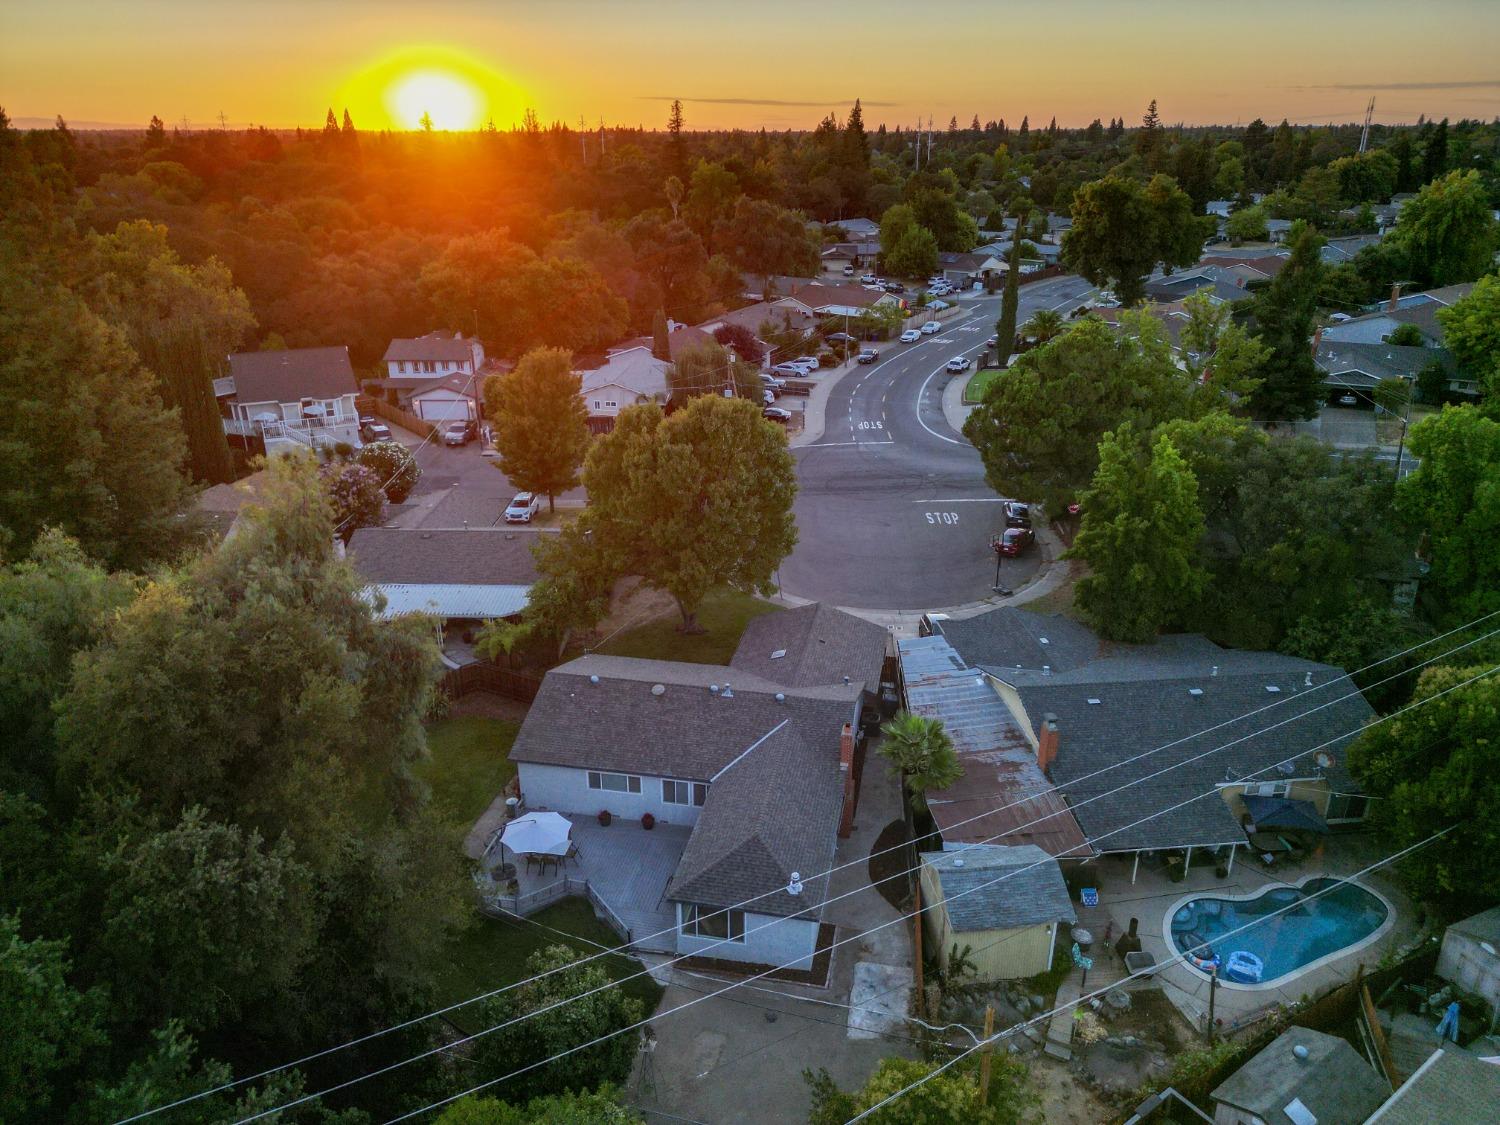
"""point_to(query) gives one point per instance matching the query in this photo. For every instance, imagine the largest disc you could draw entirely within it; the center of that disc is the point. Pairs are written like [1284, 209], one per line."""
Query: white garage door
[436, 409]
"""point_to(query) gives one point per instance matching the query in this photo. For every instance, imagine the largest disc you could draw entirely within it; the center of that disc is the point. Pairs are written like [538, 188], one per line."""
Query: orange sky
[736, 64]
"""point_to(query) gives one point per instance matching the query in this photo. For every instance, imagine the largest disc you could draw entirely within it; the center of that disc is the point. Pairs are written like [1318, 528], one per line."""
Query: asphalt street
[893, 511]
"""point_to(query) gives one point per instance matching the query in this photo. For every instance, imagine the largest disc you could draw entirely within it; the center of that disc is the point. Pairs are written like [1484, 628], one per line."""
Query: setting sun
[450, 101]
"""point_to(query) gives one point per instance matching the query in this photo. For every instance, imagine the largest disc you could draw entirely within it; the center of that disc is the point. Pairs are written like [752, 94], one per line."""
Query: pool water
[1279, 943]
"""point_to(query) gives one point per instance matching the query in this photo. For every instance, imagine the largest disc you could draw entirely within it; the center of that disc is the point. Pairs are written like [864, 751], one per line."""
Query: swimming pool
[1277, 933]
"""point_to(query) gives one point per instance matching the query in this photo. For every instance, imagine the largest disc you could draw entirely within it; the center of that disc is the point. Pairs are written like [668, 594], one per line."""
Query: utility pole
[583, 139]
[1364, 136]
[984, 1056]
[1213, 989]
[223, 122]
[917, 915]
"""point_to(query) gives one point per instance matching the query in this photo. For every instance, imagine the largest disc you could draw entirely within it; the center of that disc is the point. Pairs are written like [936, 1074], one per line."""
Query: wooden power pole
[984, 1055]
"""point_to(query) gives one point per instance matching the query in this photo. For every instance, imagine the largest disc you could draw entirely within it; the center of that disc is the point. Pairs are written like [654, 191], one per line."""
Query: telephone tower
[1364, 136]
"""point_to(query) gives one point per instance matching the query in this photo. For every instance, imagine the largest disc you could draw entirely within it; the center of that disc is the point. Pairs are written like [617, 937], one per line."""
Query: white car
[768, 397]
[789, 370]
[773, 382]
[804, 367]
[523, 507]
[867, 279]
[958, 363]
[911, 336]
[811, 361]
[931, 328]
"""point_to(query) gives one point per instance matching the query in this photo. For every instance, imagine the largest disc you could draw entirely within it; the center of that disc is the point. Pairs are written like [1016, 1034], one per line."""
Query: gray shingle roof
[772, 813]
[821, 645]
[1345, 363]
[996, 888]
[292, 374]
[1334, 1082]
[1007, 637]
[436, 346]
[1451, 1087]
[474, 557]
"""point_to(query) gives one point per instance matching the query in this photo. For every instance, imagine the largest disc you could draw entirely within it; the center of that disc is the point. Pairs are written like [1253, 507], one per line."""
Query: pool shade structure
[1285, 815]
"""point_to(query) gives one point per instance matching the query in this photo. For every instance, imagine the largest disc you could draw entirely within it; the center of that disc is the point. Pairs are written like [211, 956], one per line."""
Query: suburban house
[296, 398]
[762, 769]
[626, 378]
[1302, 1077]
[1221, 284]
[964, 270]
[1470, 955]
[1259, 267]
[438, 376]
[859, 230]
[759, 287]
[1003, 903]
[1357, 368]
[837, 300]
[465, 575]
[1376, 327]
[862, 252]
[1445, 296]
[1095, 718]
[1338, 250]
[1451, 1087]
[762, 319]
[437, 353]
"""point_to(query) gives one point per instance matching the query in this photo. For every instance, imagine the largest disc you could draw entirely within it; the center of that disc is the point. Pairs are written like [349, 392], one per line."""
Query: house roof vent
[1215, 672]
[593, 679]
[778, 654]
[658, 689]
[846, 681]
[1272, 688]
[780, 697]
[1042, 640]
[1301, 1052]
[958, 863]
[1046, 669]
[713, 689]
[1324, 759]
[1195, 691]
[1307, 681]
[727, 693]
[794, 886]
[1093, 702]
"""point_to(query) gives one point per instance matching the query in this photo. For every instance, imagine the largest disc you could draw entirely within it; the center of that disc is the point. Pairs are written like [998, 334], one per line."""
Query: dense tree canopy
[1123, 230]
[1448, 232]
[1291, 386]
[1472, 333]
[539, 421]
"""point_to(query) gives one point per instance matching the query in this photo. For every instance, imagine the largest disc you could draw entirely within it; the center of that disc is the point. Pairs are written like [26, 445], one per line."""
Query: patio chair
[574, 853]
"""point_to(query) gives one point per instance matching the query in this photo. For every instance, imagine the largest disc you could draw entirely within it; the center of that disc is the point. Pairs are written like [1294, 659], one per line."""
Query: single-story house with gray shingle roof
[1376, 327]
[814, 644]
[627, 378]
[1452, 1088]
[1303, 1077]
[454, 574]
[1003, 903]
[761, 771]
[1359, 367]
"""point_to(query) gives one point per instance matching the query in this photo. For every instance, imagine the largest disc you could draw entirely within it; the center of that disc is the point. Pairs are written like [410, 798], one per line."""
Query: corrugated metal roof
[477, 602]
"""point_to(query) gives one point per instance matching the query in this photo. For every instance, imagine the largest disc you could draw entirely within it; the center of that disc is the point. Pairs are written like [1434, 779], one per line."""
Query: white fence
[529, 903]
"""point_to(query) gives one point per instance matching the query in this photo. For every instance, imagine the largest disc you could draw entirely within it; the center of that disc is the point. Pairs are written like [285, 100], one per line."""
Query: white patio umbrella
[539, 833]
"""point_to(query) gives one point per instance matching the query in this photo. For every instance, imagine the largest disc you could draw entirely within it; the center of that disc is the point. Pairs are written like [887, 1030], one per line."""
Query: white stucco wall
[1465, 962]
[769, 940]
[565, 789]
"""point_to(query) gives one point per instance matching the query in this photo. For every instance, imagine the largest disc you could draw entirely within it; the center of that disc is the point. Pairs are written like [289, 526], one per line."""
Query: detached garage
[1004, 903]
[453, 398]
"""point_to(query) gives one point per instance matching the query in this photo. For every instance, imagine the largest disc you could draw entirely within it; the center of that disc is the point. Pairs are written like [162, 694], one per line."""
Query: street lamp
[996, 542]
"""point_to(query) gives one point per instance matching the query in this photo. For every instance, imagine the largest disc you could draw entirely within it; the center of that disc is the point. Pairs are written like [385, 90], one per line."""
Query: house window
[610, 404]
[1347, 806]
[596, 404]
[615, 782]
[684, 792]
[706, 922]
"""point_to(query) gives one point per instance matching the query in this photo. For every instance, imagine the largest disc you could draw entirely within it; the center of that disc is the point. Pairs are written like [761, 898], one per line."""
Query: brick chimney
[1317, 339]
[1395, 301]
[1046, 743]
[846, 768]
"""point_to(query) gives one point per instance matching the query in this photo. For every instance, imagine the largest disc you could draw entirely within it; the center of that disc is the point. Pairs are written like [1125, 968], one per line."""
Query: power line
[506, 988]
[1138, 973]
[844, 941]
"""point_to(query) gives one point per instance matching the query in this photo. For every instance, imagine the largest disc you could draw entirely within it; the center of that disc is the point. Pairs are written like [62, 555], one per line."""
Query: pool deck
[1154, 893]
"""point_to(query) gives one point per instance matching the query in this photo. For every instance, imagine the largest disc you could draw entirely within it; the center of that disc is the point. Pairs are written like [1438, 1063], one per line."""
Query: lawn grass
[468, 766]
[979, 383]
[723, 615]
[492, 953]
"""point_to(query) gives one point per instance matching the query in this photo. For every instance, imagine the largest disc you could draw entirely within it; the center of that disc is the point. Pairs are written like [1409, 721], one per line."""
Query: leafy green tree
[601, 1107]
[1291, 386]
[50, 1026]
[938, 211]
[575, 579]
[916, 255]
[1142, 525]
[1448, 232]
[1121, 231]
[1455, 496]
[694, 501]
[1407, 335]
[181, 320]
[673, 190]
[540, 422]
[1216, 349]
[86, 444]
[661, 348]
[764, 239]
[899, 219]
[578, 1019]
[394, 466]
[920, 750]
[356, 494]
[1038, 429]
[712, 193]
[1248, 224]
[1471, 331]
[1432, 768]
[1367, 177]
[941, 1099]
[708, 370]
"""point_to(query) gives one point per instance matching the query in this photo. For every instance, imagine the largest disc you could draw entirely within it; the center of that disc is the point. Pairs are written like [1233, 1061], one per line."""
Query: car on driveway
[1017, 514]
[460, 433]
[911, 336]
[372, 429]
[768, 397]
[931, 328]
[841, 338]
[958, 364]
[523, 507]
[848, 271]
[789, 371]
[773, 384]
[869, 355]
[777, 414]
[1014, 540]
[811, 362]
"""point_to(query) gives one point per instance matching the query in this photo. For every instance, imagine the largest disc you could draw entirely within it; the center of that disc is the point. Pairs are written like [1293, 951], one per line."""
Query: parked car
[1014, 540]
[777, 414]
[958, 363]
[931, 328]
[841, 338]
[768, 397]
[771, 381]
[911, 336]
[523, 507]
[789, 371]
[460, 433]
[894, 287]
[848, 271]
[811, 361]
[867, 279]
[1017, 514]
[869, 355]
[992, 341]
[1348, 400]
[372, 429]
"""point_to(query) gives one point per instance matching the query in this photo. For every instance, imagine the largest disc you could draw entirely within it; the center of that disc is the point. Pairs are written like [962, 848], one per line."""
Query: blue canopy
[1283, 813]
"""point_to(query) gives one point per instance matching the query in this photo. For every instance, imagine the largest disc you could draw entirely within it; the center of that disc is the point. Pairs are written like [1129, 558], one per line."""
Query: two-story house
[296, 398]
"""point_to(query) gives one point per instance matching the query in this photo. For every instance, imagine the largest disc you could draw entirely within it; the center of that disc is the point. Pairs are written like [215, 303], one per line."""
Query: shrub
[393, 463]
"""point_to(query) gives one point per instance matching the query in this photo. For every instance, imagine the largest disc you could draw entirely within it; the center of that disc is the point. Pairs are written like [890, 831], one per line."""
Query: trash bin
[511, 805]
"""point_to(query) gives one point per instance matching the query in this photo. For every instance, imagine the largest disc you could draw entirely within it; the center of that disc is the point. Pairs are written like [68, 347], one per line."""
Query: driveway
[740, 1057]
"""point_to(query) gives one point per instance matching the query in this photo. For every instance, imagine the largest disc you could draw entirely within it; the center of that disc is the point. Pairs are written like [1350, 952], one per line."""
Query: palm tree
[1044, 325]
[920, 750]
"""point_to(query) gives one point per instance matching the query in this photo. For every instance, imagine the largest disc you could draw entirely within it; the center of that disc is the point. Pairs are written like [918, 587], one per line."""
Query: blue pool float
[1184, 919]
[1244, 967]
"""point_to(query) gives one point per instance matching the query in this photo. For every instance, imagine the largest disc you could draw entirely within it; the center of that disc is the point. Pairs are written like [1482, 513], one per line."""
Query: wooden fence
[484, 676]
[405, 419]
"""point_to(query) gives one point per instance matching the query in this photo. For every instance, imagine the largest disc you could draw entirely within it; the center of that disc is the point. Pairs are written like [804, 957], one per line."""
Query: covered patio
[623, 870]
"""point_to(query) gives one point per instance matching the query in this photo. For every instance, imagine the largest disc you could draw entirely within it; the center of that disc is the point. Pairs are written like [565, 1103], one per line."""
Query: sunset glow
[450, 101]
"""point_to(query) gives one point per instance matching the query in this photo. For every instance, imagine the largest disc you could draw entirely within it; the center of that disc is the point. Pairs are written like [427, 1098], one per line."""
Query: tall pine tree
[1291, 384]
[1005, 327]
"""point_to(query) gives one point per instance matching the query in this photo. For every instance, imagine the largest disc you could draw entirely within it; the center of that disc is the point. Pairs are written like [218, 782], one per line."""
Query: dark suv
[1017, 514]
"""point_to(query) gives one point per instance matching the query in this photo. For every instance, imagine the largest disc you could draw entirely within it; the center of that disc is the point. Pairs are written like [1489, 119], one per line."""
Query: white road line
[831, 444]
[965, 500]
